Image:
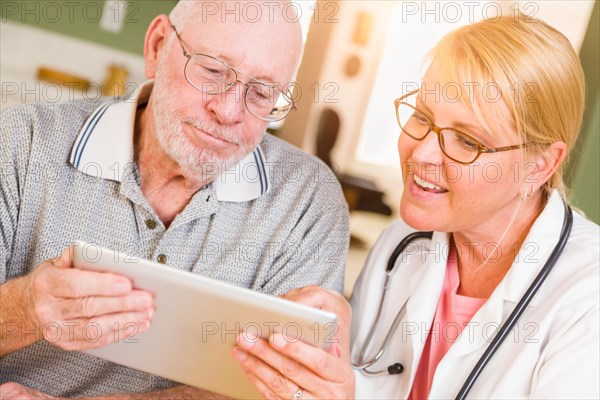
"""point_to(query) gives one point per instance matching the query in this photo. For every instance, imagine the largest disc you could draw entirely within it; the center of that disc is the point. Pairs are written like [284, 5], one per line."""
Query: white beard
[192, 160]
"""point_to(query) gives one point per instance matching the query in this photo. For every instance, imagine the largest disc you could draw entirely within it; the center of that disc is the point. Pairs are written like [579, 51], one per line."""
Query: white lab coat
[553, 352]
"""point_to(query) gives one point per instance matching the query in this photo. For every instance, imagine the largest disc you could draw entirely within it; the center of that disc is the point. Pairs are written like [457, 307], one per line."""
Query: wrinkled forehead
[261, 45]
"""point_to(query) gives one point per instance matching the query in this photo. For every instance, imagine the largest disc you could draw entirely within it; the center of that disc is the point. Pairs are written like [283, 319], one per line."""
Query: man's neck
[162, 181]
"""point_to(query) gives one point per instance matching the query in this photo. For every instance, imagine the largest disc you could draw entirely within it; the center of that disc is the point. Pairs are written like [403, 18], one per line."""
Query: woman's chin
[418, 219]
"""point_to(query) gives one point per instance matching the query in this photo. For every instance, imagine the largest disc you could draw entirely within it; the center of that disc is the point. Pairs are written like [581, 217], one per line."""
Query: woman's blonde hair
[534, 71]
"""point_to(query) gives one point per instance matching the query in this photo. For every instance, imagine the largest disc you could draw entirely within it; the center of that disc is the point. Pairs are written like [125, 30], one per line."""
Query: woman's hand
[285, 369]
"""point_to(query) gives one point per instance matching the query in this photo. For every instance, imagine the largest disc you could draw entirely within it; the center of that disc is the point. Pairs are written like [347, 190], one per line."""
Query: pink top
[453, 313]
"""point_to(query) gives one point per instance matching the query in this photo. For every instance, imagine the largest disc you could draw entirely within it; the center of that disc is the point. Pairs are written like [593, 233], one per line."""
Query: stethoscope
[362, 364]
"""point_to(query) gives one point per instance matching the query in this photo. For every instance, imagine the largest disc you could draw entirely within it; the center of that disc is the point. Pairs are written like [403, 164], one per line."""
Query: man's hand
[71, 308]
[84, 310]
[14, 391]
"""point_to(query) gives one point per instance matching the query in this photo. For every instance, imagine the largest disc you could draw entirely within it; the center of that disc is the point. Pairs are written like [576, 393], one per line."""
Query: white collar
[105, 145]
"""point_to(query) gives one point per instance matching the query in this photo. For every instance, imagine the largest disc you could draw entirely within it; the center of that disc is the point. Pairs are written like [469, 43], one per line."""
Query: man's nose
[428, 150]
[228, 106]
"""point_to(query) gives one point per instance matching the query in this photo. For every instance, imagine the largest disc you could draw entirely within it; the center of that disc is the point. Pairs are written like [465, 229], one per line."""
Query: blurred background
[359, 56]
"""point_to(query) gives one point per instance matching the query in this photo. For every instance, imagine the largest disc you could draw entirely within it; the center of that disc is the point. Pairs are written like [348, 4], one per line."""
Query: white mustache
[215, 131]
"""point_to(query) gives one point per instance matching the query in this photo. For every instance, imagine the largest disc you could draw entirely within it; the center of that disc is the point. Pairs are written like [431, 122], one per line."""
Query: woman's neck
[486, 255]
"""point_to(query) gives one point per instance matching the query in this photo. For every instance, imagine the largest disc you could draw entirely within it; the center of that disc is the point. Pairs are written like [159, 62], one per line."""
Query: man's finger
[65, 260]
[15, 391]
[7, 389]
[92, 306]
[75, 283]
[100, 331]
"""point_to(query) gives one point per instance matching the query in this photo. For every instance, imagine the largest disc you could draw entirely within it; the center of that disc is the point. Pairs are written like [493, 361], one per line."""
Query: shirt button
[162, 259]
[150, 223]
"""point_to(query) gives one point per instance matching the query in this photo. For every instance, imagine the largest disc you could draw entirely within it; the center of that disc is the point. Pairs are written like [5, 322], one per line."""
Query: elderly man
[181, 173]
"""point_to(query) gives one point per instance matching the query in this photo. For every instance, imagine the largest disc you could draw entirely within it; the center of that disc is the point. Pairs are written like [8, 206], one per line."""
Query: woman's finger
[266, 378]
[326, 365]
[307, 367]
[255, 381]
[268, 394]
[316, 297]
[324, 299]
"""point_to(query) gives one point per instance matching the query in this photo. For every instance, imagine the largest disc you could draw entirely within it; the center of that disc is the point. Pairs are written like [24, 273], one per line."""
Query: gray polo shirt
[275, 221]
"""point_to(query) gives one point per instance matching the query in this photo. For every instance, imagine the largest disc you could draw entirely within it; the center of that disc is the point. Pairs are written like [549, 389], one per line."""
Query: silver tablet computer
[196, 323]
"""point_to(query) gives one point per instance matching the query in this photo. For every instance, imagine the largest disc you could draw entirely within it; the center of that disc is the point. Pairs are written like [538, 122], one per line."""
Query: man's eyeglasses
[213, 76]
[456, 145]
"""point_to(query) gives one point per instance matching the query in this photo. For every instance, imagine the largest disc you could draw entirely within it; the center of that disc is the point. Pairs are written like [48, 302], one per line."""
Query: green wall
[586, 180]
[583, 173]
[81, 19]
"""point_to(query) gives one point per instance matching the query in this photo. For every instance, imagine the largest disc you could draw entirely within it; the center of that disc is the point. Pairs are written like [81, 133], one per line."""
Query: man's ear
[156, 36]
[548, 162]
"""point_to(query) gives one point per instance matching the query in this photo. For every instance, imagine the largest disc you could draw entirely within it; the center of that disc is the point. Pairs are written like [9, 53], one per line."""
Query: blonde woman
[482, 146]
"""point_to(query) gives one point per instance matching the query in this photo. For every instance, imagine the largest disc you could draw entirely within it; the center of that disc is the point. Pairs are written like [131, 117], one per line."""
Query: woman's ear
[156, 36]
[548, 162]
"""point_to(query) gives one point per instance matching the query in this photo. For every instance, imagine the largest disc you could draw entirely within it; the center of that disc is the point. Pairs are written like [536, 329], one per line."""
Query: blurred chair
[360, 193]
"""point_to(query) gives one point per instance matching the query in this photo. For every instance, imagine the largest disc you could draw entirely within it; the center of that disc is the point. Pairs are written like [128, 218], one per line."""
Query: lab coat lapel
[454, 368]
[456, 365]
[484, 325]
[425, 289]
[532, 256]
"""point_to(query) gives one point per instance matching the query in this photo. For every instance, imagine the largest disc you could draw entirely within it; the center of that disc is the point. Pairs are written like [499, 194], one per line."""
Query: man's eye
[260, 93]
[214, 72]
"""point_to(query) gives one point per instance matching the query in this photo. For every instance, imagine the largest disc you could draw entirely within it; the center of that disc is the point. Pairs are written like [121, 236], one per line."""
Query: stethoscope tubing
[512, 319]
[361, 364]
[520, 307]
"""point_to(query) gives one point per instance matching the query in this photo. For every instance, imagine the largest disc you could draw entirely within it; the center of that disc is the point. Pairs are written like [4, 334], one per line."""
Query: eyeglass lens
[212, 76]
[454, 144]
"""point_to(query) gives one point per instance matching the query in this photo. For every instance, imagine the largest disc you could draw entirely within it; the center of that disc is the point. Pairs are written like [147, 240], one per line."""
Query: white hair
[190, 10]
[183, 11]
[186, 10]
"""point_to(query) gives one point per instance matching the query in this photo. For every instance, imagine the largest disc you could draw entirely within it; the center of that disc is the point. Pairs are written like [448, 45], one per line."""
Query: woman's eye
[467, 143]
[420, 118]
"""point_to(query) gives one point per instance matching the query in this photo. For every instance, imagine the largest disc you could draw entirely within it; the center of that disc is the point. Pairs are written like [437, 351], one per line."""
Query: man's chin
[208, 166]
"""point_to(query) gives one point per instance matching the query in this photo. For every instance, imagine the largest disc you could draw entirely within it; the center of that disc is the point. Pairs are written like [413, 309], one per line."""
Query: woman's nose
[428, 150]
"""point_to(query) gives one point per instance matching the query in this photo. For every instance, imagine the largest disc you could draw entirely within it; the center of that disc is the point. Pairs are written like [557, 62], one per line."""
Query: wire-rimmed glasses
[456, 145]
[213, 76]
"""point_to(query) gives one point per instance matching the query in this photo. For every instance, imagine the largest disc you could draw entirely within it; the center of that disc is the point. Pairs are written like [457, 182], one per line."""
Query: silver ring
[297, 395]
